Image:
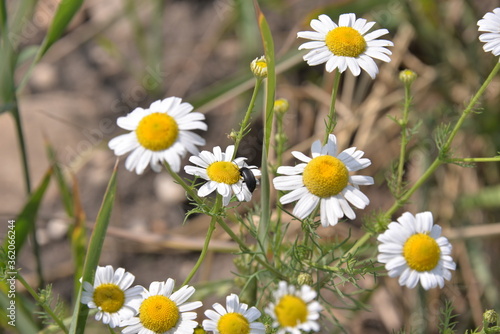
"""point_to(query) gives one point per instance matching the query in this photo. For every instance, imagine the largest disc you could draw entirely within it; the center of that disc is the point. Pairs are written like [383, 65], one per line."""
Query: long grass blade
[25, 221]
[268, 43]
[64, 14]
[94, 252]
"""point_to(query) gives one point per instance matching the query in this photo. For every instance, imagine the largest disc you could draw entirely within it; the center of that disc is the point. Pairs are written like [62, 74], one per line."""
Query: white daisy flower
[164, 312]
[294, 310]
[222, 174]
[490, 24]
[413, 249]
[161, 133]
[325, 179]
[111, 295]
[345, 45]
[235, 318]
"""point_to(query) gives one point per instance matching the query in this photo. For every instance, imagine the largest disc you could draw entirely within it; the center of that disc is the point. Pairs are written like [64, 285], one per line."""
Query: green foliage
[447, 320]
[46, 300]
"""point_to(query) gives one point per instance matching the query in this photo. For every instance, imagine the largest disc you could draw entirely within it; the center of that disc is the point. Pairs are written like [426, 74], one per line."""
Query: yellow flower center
[109, 297]
[157, 131]
[224, 172]
[421, 252]
[325, 176]
[158, 314]
[345, 42]
[291, 311]
[233, 323]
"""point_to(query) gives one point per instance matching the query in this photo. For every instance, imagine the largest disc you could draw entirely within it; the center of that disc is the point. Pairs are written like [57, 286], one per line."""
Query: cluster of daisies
[411, 248]
[160, 309]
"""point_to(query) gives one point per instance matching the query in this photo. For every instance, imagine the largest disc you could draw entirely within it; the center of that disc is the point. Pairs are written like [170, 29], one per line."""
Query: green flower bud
[407, 76]
[490, 316]
[304, 279]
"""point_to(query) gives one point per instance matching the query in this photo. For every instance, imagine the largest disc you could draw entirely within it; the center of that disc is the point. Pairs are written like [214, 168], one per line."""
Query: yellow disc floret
[157, 131]
[345, 42]
[325, 176]
[421, 252]
[158, 313]
[291, 311]
[109, 297]
[233, 323]
[224, 172]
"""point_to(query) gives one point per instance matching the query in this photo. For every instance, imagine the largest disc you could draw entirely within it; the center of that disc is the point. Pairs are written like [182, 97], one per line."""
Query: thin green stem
[404, 140]
[45, 307]
[490, 159]
[331, 121]
[211, 228]
[244, 248]
[189, 190]
[407, 194]
[470, 107]
[22, 146]
[246, 120]
[280, 149]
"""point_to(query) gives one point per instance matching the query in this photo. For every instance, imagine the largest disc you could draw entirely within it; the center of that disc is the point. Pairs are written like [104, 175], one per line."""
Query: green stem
[191, 193]
[46, 308]
[404, 140]
[246, 120]
[280, 149]
[406, 195]
[470, 107]
[244, 248]
[211, 228]
[490, 159]
[331, 121]
[22, 146]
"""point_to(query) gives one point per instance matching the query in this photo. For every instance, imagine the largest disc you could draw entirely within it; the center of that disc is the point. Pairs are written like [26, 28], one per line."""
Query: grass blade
[25, 221]
[267, 40]
[64, 14]
[94, 252]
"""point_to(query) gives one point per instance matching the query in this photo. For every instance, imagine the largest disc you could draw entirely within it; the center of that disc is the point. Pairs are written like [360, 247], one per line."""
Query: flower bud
[259, 67]
[407, 76]
[281, 106]
[304, 279]
[490, 316]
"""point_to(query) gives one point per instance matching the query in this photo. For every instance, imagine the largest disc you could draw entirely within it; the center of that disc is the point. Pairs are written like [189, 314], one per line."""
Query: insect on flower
[249, 178]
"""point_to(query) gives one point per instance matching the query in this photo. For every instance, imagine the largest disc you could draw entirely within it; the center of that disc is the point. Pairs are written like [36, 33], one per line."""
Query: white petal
[288, 182]
[355, 197]
[294, 195]
[305, 206]
[301, 156]
[361, 180]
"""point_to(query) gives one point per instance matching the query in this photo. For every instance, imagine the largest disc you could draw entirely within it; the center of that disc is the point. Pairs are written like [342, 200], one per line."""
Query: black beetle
[248, 178]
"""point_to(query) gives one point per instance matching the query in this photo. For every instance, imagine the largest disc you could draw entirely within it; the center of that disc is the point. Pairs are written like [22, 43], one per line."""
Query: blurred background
[121, 54]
